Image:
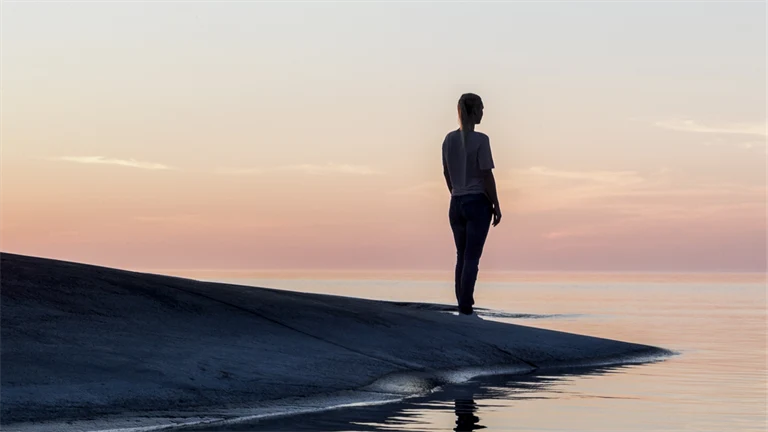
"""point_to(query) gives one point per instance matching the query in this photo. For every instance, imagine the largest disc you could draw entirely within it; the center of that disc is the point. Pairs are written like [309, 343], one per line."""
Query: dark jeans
[470, 217]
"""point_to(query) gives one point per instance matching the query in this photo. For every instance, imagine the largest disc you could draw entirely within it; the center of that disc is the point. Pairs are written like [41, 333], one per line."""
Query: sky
[627, 136]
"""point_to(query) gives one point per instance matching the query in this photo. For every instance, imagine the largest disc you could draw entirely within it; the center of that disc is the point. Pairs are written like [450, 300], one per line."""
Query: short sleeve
[484, 156]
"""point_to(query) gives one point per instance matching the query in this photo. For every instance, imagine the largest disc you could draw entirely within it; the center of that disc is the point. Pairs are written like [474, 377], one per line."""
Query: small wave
[414, 383]
[510, 315]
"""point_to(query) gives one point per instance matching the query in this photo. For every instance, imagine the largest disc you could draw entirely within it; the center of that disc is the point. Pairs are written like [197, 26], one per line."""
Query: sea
[715, 323]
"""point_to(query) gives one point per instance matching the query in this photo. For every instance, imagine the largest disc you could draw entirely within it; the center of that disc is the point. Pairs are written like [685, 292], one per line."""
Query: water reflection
[466, 420]
[455, 407]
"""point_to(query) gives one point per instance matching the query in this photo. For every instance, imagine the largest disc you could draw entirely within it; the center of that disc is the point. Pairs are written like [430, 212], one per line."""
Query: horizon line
[489, 276]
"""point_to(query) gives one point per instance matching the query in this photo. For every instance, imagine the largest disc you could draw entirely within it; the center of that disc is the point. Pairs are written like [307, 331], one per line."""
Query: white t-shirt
[466, 163]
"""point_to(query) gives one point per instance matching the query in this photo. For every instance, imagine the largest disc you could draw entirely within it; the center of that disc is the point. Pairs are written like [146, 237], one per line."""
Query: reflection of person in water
[466, 420]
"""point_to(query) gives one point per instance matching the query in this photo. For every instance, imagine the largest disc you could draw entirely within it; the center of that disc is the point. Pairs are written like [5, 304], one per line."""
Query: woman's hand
[496, 215]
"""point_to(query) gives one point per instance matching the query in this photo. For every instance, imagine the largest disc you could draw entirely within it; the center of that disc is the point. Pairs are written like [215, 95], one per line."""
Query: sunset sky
[234, 135]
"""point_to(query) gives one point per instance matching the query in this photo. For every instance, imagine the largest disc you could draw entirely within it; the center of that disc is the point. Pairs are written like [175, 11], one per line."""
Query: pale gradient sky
[627, 136]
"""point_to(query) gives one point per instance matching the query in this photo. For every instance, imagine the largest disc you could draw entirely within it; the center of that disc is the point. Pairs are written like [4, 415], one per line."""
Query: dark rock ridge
[80, 341]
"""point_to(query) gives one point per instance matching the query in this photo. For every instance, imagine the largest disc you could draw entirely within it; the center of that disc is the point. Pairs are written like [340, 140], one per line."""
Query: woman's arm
[490, 191]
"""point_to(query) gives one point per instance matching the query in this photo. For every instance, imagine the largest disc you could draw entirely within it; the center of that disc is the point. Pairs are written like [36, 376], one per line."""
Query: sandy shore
[93, 348]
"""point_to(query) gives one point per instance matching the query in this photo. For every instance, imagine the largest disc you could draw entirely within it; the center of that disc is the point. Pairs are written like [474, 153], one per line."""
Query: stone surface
[85, 342]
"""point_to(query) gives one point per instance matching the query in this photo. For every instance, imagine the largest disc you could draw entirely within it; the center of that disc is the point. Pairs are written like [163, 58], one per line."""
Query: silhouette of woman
[467, 166]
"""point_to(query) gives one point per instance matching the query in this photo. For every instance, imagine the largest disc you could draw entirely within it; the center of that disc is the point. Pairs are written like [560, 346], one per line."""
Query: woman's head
[470, 109]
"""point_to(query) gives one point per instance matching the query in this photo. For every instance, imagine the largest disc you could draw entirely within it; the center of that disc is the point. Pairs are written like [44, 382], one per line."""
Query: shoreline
[213, 417]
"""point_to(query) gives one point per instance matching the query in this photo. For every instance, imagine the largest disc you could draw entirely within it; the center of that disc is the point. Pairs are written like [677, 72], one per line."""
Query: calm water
[717, 383]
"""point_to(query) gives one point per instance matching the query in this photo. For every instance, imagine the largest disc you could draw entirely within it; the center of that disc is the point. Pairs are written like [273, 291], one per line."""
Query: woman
[467, 166]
